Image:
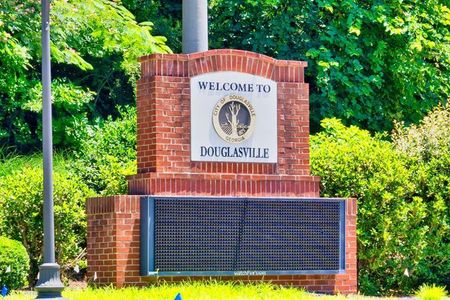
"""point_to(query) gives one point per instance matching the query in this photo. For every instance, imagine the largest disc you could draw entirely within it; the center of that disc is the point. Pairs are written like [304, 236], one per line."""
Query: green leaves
[369, 63]
[403, 198]
[14, 264]
[69, 56]
[21, 213]
[109, 145]
[94, 46]
[102, 27]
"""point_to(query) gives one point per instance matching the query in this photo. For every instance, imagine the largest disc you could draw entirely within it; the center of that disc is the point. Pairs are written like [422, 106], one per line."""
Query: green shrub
[430, 139]
[108, 154]
[14, 264]
[427, 147]
[396, 223]
[21, 217]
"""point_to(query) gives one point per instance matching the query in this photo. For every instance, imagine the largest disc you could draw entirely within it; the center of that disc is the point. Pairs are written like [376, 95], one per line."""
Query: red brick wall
[113, 250]
[164, 166]
[163, 104]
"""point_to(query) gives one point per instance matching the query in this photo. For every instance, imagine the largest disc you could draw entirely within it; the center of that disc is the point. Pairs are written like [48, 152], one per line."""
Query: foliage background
[403, 199]
[369, 62]
[108, 145]
[94, 45]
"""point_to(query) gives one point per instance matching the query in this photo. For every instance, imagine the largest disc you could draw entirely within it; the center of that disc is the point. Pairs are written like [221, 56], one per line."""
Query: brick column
[113, 240]
[163, 106]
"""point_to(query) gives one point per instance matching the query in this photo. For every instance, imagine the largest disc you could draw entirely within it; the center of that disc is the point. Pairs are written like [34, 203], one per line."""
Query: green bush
[428, 140]
[427, 147]
[108, 154]
[14, 264]
[21, 217]
[399, 227]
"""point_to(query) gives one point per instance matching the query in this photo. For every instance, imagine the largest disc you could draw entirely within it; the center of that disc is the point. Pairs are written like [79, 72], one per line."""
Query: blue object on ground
[178, 297]
[4, 291]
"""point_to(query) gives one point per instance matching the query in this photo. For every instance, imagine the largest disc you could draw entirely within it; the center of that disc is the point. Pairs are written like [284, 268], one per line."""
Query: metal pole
[49, 285]
[195, 26]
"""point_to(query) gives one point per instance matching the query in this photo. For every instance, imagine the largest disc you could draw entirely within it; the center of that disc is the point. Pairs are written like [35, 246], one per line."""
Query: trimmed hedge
[14, 264]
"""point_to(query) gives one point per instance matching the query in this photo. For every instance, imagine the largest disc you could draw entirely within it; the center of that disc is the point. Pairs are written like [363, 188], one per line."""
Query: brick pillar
[163, 107]
[348, 283]
[113, 240]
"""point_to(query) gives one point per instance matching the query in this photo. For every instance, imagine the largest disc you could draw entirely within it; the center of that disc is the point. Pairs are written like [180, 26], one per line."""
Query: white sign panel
[233, 118]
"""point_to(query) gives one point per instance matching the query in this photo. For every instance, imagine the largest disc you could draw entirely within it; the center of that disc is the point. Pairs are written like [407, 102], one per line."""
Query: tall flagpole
[195, 26]
[49, 285]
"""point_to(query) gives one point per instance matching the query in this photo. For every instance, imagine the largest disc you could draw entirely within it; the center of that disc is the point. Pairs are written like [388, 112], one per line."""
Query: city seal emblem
[234, 118]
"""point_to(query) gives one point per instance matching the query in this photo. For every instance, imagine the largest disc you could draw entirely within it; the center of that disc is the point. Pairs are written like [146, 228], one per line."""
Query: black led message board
[205, 236]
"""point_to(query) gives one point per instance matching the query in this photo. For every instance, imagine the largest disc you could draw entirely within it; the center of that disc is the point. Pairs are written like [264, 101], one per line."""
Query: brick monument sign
[224, 175]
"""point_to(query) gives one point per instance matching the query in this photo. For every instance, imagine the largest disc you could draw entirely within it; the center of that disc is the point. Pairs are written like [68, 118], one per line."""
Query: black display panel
[242, 236]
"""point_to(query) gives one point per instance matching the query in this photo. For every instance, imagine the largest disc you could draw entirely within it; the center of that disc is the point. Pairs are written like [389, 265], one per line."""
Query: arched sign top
[189, 65]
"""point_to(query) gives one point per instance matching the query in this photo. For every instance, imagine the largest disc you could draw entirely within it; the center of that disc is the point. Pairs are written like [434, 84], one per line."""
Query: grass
[191, 290]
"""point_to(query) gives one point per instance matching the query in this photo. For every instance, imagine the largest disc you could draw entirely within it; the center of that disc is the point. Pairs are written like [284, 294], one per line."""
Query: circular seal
[234, 118]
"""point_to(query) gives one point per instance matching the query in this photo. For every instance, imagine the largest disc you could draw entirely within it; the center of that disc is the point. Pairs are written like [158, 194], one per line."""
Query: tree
[94, 44]
[369, 62]
[166, 15]
[234, 123]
